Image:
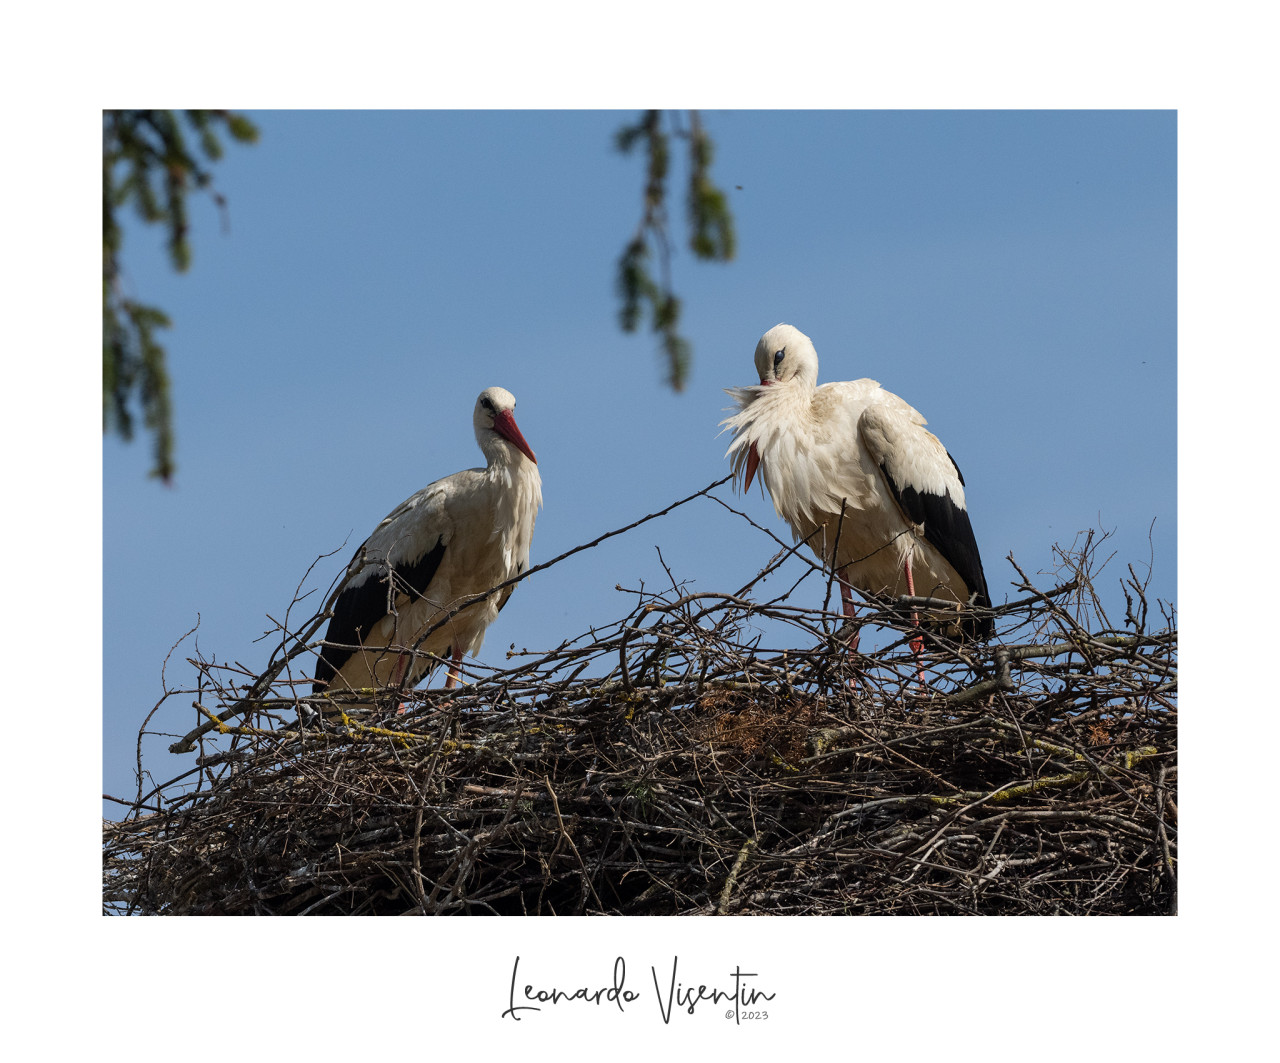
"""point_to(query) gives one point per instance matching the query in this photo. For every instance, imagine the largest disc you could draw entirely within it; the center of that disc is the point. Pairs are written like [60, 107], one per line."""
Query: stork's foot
[917, 647]
[853, 682]
[850, 634]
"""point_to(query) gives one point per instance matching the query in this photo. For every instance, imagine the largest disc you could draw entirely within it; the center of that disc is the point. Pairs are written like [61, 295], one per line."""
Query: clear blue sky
[1011, 274]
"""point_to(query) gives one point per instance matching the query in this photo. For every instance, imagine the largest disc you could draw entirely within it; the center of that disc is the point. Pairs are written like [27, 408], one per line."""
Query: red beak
[505, 425]
[753, 459]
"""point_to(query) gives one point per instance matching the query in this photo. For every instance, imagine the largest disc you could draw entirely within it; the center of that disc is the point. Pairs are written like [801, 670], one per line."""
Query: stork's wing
[394, 566]
[927, 484]
[505, 595]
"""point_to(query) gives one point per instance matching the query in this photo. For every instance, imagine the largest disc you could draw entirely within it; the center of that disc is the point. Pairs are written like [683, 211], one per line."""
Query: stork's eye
[486, 403]
[777, 359]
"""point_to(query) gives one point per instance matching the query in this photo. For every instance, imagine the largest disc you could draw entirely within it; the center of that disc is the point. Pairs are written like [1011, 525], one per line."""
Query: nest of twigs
[682, 761]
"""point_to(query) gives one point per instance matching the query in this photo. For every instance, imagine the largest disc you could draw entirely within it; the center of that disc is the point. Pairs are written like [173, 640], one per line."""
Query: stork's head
[494, 417]
[786, 354]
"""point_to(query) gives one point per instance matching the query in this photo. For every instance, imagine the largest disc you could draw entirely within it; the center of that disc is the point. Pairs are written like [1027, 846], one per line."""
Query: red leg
[397, 679]
[917, 643]
[846, 604]
[452, 681]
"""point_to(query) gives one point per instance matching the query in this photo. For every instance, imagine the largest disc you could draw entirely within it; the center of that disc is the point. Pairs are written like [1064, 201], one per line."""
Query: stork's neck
[515, 492]
[498, 452]
[506, 467]
[785, 402]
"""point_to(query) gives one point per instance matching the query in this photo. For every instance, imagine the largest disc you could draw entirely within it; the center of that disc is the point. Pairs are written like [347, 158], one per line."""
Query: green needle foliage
[711, 233]
[146, 161]
[153, 159]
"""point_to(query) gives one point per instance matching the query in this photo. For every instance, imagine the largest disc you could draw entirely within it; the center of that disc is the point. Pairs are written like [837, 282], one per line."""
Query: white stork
[855, 473]
[456, 537]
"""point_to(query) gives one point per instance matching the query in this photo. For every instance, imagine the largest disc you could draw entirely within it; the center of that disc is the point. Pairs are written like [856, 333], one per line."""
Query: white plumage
[456, 537]
[853, 448]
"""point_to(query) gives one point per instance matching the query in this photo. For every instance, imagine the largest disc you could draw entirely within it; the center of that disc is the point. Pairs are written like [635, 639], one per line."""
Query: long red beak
[505, 425]
[753, 460]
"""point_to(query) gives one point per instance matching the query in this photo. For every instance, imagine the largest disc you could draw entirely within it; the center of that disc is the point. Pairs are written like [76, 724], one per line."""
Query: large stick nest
[673, 763]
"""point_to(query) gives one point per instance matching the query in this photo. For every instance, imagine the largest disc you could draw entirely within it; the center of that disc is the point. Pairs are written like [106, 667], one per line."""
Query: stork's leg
[452, 681]
[917, 643]
[397, 679]
[846, 604]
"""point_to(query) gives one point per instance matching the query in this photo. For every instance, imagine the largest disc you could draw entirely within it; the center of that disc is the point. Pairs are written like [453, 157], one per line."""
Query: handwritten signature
[677, 995]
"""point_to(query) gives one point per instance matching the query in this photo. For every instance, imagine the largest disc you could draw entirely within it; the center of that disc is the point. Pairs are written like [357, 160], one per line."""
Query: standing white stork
[855, 473]
[456, 537]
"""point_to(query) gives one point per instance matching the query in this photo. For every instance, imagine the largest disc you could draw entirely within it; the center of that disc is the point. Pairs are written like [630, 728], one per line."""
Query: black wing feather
[505, 596]
[359, 607]
[416, 578]
[948, 529]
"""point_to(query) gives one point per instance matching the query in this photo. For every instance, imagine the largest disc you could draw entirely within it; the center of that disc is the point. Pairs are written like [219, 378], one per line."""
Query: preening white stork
[456, 537]
[855, 473]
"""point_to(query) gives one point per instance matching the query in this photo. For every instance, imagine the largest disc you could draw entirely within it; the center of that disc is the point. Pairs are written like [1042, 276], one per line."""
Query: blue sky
[1011, 274]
